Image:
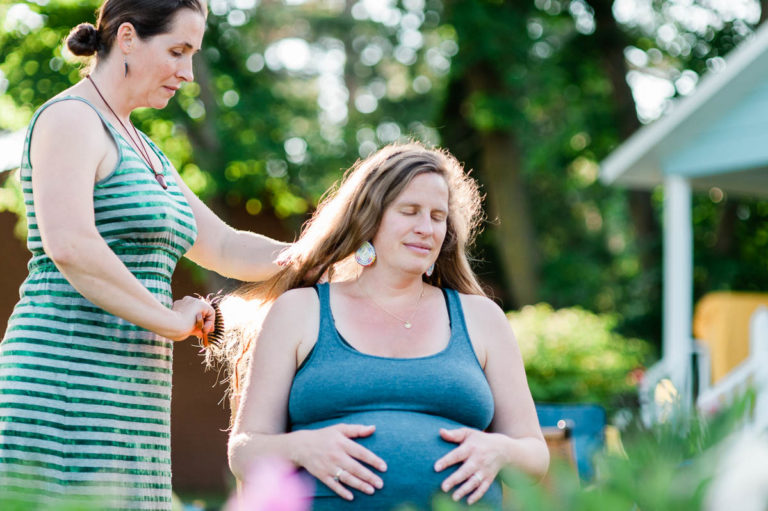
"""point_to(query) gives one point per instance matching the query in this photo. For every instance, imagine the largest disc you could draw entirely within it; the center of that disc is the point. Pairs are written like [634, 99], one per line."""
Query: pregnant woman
[399, 379]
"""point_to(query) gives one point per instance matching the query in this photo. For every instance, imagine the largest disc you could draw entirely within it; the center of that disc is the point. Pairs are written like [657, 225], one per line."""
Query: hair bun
[84, 40]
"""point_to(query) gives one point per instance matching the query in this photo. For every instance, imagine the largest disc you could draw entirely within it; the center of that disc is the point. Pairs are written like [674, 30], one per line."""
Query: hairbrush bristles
[217, 334]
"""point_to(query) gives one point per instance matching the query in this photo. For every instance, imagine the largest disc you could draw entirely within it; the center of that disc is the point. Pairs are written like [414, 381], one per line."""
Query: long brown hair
[350, 214]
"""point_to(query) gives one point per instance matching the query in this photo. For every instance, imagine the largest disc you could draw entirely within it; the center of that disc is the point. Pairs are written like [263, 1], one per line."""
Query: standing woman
[85, 365]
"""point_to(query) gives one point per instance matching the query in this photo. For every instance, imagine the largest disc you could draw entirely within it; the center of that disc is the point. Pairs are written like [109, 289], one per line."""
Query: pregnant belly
[410, 444]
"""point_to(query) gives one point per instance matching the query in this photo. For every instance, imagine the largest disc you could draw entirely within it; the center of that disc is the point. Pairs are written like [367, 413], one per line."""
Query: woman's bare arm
[65, 162]
[241, 255]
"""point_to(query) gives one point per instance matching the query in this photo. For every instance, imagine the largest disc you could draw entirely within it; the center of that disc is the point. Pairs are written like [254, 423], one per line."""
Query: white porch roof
[717, 136]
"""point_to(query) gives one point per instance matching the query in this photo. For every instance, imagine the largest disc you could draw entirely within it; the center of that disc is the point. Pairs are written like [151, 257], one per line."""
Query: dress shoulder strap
[26, 159]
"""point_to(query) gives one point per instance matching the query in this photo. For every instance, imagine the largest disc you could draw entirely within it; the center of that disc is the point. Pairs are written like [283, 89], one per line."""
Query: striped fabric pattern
[84, 395]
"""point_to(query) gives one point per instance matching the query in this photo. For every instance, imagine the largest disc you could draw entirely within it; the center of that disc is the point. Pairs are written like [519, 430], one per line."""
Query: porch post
[678, 285]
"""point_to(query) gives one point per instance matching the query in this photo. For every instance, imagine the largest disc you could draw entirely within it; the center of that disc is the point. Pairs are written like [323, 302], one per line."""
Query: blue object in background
[586, 421]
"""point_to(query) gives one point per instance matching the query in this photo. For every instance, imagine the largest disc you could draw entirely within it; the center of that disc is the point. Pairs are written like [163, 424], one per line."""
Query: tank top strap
[326, 317]
[459, 333]
[28, 140]
[325, 344]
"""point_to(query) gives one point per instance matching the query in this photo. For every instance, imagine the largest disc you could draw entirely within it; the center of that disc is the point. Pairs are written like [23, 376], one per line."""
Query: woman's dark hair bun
[84, 40]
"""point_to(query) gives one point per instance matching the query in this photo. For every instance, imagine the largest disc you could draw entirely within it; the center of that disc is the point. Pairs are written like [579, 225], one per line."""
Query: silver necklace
[406, 322]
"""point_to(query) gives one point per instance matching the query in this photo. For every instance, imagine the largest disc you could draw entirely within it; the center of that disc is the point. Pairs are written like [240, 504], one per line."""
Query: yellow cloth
[721, 322]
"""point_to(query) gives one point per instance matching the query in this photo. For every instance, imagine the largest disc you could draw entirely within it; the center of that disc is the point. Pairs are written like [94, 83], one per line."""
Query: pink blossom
[273, 484]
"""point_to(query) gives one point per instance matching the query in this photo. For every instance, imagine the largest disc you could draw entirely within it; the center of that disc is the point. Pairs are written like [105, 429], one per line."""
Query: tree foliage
[531, 95]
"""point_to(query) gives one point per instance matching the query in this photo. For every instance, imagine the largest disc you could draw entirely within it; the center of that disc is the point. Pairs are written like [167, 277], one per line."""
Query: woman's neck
[390, 284]
[114, 89]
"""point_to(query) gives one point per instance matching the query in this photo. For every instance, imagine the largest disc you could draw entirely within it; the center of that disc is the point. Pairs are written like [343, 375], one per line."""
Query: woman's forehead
[430, 186]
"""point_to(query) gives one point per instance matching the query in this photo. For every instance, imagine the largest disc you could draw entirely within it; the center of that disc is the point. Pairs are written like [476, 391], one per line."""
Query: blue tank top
[407, 399]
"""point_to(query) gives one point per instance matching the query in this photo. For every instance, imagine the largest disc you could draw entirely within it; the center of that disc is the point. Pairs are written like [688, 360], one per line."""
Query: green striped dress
[84, 395]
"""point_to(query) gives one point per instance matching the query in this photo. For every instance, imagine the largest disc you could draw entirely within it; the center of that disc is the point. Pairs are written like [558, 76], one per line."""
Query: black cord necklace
[137, 142]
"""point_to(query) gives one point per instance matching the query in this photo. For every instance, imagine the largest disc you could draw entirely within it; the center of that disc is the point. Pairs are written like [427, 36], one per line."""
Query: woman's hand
[195, 317]
[334, 458]
[481, 456]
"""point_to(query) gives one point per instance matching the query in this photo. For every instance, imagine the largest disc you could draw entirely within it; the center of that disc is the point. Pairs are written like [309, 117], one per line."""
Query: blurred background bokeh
[531, 95]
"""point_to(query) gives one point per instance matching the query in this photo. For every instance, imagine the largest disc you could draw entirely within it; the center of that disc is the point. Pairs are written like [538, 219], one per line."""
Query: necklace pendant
[161, 179]
[407, 324]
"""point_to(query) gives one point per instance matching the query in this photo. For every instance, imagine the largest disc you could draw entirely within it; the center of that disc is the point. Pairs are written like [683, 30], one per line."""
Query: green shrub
[573, 355]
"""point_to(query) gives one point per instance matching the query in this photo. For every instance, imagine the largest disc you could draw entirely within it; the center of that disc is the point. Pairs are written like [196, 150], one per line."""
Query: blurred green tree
[539, 93]
[531, 95]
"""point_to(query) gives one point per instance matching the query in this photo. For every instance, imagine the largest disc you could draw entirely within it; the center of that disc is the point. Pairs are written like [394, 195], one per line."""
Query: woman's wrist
[508, 448]
[173, 326]
[295, 446]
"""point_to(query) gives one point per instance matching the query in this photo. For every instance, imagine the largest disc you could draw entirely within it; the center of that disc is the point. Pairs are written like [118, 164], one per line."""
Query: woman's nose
[424, 225]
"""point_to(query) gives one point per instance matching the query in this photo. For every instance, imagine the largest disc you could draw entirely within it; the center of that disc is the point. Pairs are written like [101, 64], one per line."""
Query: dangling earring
[430, 270]
[366, 254]
[125, 63]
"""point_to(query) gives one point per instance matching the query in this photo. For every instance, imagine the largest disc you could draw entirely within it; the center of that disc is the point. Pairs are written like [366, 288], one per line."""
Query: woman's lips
[422, 249]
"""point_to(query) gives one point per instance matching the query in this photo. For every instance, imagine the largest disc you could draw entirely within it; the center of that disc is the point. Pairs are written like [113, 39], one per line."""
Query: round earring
[366, 254]
[430, 270]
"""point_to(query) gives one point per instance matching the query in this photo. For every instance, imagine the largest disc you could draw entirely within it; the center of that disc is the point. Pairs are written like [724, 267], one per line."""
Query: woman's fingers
[457, 455]
[199, 313]
[480, 491]
[355, 430]
[473, 482]
[359, 452]
[353, 479]
[362, 472]
[336, 486]
[210, 318]
[462, 474]
[205, 318]
[455, 435]
[351, 471]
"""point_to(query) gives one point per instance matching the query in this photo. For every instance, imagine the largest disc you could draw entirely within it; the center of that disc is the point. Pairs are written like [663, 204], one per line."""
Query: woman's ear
[126, 37]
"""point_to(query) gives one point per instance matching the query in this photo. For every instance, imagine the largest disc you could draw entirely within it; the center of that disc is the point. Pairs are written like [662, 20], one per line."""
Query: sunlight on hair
[240, 314]
[242, 321]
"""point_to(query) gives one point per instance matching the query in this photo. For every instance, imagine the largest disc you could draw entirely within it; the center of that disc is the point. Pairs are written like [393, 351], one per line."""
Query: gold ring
[338, 473]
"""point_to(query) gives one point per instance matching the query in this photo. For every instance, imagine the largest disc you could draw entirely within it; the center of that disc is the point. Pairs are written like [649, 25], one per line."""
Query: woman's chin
[159, 103]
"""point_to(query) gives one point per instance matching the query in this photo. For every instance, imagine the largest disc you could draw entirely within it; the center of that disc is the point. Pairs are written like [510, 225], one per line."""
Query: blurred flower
[741, 480]
[635, 376]
[273, 484]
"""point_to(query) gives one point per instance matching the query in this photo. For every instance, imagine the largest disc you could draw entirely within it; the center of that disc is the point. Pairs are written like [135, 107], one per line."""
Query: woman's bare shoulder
[298, 297]
[487, 324]
[294, 320]
[69, 126]
[295, 310]
[73, 114]
[478, 306]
